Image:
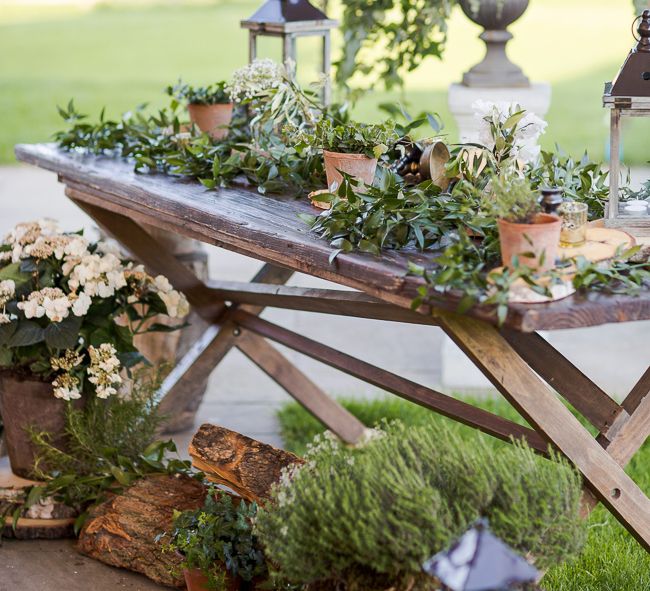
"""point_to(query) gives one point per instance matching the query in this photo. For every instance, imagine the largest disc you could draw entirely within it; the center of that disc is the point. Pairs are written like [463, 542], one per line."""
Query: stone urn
[495, 16]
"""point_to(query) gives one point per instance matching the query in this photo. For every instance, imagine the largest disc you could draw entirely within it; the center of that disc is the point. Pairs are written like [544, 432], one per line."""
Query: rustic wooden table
[516, 359]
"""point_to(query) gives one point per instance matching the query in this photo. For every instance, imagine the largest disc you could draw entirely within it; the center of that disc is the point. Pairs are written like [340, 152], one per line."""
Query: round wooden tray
[44, 521]
[601, 245]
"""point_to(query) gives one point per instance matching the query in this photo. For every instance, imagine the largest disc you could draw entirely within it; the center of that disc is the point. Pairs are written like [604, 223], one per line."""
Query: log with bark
[247, 466]
[122, 531]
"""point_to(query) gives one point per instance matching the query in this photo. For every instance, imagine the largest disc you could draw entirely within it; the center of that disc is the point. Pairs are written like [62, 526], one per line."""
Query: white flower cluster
[99, 275]
[66, 385]
[23, 236]
[529, 129]
[104, 370]
[55, 304]
[255, 79]
[7, 291]
[175, 301]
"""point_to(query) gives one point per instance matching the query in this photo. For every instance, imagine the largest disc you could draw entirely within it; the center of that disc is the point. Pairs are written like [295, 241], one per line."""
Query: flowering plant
[69, 309]
[255, 79]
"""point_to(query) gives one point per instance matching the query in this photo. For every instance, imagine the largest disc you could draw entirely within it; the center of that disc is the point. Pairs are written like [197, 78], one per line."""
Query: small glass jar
[574, 224]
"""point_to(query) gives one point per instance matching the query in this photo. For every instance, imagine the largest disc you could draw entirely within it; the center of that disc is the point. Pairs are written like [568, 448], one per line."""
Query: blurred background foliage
[121, 53]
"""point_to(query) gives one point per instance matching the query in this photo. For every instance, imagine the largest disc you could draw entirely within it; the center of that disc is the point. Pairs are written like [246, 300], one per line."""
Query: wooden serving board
[44, 521]
[601, 245]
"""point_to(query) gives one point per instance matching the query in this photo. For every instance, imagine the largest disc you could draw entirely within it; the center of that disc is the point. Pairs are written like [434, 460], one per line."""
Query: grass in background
[120, 57]
[611, 561]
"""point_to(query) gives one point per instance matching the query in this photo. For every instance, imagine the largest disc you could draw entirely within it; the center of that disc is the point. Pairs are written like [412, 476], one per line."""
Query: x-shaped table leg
[539, 405]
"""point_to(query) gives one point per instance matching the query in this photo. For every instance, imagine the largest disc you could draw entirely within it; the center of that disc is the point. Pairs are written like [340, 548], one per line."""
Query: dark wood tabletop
[268, 228]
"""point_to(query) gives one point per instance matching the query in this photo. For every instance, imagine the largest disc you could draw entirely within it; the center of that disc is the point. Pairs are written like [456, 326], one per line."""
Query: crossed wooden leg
[600, 462]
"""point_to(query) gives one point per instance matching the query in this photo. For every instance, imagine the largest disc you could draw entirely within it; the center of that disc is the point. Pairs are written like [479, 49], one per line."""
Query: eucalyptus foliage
[403, 32]
[214, 94]
[368, 517]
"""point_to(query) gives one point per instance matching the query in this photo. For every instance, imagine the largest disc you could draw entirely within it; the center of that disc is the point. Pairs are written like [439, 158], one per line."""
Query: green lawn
[611, 561]
[119, 57]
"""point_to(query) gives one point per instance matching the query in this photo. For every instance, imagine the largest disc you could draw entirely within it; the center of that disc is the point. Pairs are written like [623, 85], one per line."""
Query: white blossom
[255, 79]
[81, 305]
[176, 303]
[7, 291]
[49, 301]
[104, 370]
[66, 387]
[529, 129]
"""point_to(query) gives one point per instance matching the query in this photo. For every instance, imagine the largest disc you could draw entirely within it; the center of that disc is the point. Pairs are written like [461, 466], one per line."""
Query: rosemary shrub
[367, 518]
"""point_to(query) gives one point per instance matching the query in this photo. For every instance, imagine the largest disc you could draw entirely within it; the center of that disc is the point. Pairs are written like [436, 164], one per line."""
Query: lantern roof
[479, 561]
[633, 79]
[287, 16]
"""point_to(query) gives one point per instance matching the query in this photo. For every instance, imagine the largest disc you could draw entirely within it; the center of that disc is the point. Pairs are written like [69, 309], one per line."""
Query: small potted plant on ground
[352, 148]
[525, 234]
[217, 543]
[210, 107]
[69, 311]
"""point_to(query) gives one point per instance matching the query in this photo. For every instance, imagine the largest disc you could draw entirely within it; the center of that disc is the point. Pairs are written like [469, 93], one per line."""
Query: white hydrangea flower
[255, 79]
[5, 318]
[49, 301]
[82, 304]
[104, 370]
[66, 387]
[162, 284]
[529, 129]
[176, 303]
[7, 291]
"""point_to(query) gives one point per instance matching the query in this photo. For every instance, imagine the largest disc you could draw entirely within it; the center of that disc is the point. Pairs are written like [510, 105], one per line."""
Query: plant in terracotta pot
[220, 551]
[69, 311]
[526, 236]
[210, 107]
[352, 148]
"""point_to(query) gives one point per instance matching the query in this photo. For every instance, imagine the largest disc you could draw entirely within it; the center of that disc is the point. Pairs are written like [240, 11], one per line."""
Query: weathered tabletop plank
[268, 228]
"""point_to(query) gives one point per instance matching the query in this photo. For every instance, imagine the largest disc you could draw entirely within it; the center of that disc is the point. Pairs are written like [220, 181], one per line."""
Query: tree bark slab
[122, 531]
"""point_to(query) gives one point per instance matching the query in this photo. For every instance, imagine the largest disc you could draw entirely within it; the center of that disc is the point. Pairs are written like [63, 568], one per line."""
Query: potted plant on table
[69, 311]
[220, 551]
[210, 107]
[352, 148]
[526, 234]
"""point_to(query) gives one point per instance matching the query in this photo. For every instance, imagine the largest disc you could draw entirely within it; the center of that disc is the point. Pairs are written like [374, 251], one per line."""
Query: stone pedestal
[535, 98]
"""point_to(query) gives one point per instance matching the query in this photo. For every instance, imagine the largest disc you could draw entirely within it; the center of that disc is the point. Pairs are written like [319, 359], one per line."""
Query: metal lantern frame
[628, 96]
[289, 30]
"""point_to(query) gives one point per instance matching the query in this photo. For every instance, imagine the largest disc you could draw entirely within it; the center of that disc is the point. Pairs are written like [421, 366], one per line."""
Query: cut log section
[122, 531]
[248, 467]
[45, 520]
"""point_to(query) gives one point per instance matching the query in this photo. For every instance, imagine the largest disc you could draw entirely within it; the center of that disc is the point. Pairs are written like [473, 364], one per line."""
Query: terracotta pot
[212, 119]
[28, 403]
[195, 580]
[543, 236]
[358, 166]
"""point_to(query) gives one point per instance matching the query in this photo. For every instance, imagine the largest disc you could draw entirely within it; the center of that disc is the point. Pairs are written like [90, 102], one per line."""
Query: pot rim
[347, 155]
[200, 105]
[542, 220]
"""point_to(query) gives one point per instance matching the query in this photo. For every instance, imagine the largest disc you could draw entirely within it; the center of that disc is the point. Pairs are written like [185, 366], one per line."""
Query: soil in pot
[212, 119]
[27, 403]
[540, 237]
[358, 166]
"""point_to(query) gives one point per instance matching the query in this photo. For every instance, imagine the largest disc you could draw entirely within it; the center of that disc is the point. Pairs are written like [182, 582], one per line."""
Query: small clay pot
[195, 580]
[212, 119]
[358, 166]
[542, 236]
[25, 404]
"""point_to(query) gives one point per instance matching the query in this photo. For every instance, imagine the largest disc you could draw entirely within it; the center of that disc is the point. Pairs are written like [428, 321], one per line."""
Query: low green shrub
[367, 518]
[218, 535]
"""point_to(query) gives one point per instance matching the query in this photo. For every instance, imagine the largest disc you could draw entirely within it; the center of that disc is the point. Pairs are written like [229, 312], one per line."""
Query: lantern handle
[641, 33]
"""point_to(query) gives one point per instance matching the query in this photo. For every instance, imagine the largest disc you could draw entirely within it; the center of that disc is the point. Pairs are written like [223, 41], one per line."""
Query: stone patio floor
[242, 398]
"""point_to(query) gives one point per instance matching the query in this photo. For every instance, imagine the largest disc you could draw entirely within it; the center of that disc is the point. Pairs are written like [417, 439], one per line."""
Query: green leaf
[64, 334]
[27, 333]
[7, 331]
[121, 476]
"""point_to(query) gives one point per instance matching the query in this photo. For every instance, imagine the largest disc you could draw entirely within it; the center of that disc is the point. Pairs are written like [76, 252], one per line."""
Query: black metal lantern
[290, 19]
[628, 95]
[479, 561]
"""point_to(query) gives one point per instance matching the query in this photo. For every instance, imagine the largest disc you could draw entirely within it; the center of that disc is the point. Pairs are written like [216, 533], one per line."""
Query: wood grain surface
[268, 228]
